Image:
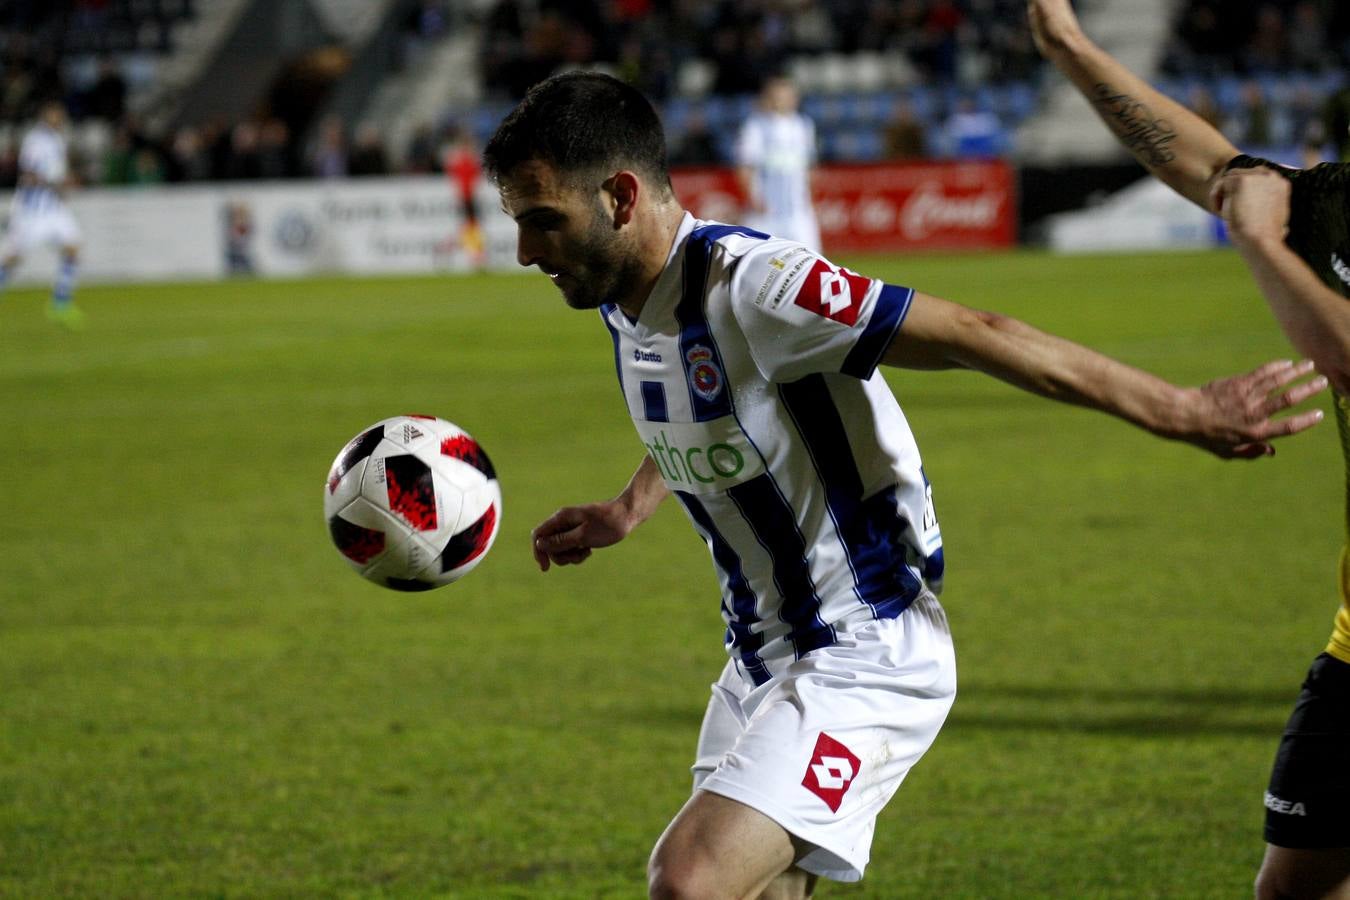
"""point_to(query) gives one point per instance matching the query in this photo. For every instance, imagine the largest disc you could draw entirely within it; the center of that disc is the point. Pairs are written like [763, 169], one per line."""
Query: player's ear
[623, 189]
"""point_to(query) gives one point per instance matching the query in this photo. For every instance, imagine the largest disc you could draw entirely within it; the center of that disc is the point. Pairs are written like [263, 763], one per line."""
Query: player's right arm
[1182, 150]
[1231, 417]
[569, 535]
[1254, 204]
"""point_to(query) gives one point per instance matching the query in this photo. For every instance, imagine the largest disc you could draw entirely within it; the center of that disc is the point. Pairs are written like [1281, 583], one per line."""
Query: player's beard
[606, 269]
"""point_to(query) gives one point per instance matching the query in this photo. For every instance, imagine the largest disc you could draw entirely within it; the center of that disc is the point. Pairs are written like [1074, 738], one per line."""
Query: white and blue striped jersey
[42, 156]
[780, 149]
[751, 375]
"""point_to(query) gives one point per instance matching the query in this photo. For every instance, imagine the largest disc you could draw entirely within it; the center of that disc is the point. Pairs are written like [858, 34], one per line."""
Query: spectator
[368, 155]
[1202, 103]
[1307, 38]
[697, 146]
[421, 158]
[188, 160]
[941, 26]
[244, 161]
[107, 97]
[1336, 123]
[1251, 124]
[116, 166]
[972, 132]
[146, 168]
[274, 150]
[425, 23]
[1268, 49]
[905, 136]
[328, 157]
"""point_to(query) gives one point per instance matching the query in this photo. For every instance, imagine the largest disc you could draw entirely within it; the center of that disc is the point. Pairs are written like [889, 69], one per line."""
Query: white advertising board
[283, 229]
[1147, 215]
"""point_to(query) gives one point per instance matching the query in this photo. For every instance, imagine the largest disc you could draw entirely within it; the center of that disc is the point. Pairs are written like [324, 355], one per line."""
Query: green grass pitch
[198, 699]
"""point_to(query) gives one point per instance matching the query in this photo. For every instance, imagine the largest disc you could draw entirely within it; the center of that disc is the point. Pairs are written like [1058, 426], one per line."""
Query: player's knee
[680, 876]
[1285, 881]
[1267, 885]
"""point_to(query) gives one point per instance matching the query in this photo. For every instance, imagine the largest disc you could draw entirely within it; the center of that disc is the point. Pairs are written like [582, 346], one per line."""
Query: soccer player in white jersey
[775, 153]
[750, 367]
[38, 214]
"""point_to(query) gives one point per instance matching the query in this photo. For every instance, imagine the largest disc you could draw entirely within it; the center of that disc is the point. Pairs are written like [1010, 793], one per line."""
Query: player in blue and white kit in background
[749, 365]
[775, 153]
[38, 213]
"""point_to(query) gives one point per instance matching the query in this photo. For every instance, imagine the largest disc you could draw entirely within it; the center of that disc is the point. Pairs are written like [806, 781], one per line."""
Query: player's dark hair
[583, 124]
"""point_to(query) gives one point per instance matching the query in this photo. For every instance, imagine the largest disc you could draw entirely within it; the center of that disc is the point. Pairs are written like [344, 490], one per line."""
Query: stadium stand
[151, 100]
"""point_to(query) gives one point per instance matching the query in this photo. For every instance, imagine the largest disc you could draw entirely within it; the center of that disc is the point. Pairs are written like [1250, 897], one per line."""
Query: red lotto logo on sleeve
[836, 294]
[831, 771]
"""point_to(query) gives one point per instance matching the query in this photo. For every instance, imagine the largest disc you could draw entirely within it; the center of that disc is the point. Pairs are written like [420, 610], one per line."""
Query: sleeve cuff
[888, 314]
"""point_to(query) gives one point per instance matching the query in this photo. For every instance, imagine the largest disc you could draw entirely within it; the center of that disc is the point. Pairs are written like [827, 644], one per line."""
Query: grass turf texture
[200, 700]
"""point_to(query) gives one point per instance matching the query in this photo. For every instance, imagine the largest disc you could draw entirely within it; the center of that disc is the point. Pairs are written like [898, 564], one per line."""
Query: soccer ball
[412, 503]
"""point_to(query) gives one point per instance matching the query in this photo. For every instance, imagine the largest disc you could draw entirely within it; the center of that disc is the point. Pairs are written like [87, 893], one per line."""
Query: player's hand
[1054, 27]
[1236, 415]
[1254, 204]
[567, 537]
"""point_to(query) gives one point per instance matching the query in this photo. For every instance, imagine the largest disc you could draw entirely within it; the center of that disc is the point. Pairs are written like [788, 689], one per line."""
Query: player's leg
[1289, 873]
[1308, 801]
[63, 308]
[8, 263]
[791, 774]
[794, 884]
[12, 248]
[58, 227]
[717, 847]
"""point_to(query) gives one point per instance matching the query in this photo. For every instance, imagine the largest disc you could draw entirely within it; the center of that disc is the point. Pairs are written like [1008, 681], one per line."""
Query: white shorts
[27, 230]
[822, 748]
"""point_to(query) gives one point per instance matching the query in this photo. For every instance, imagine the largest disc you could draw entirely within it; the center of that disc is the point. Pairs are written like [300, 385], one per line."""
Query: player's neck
[653, 250]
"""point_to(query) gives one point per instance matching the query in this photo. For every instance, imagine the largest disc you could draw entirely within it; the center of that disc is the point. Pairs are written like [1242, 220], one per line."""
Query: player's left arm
[567, 537]
[1230, 417]
[1173, 143]
[1255, 205]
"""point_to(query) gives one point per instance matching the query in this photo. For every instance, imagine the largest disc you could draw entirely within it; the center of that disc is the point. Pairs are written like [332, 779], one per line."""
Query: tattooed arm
[1182, 150]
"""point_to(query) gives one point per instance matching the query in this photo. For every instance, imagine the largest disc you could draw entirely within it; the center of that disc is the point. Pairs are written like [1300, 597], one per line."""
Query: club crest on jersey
[704, 376]
[836, 294]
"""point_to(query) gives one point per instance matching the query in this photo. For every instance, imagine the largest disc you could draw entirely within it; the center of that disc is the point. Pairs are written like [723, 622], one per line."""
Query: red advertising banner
[865, 208]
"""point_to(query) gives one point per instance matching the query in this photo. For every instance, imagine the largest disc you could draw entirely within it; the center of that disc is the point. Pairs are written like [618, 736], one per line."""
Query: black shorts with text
[1308, 800]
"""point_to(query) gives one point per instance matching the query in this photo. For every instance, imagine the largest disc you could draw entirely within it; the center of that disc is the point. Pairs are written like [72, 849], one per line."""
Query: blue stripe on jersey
[774, 524]
[871, 529]
[934, 566]
[606, 310]
[654, 401]
[743, 640]
[37, 198]
[711, 400]
[891, 306]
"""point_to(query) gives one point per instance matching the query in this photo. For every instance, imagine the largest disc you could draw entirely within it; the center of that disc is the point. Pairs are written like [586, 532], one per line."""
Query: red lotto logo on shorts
[831, 771]
[836, 294]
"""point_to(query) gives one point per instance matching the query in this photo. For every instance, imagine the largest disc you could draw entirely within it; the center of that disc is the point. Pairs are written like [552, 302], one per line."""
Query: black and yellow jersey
[1319, 232]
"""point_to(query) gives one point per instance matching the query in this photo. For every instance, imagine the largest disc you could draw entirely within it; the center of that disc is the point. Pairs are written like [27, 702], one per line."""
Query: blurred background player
[775, 153]
[38, 213]
[464, 169]
[1292, 227]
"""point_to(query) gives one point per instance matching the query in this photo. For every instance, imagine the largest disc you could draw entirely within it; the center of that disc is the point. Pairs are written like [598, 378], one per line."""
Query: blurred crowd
[648, 41]
[248, 150]
[1253, 37]
[959, 44]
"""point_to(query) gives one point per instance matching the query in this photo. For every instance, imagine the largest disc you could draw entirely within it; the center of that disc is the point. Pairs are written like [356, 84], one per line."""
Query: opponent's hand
[1053, 26]
[1233, 417]
[567, 537]
[1254, 204]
